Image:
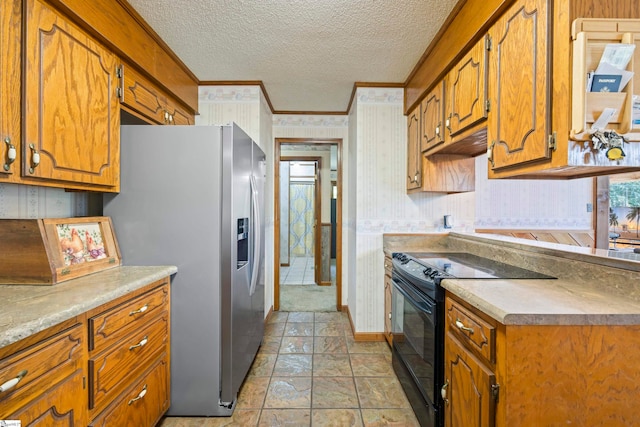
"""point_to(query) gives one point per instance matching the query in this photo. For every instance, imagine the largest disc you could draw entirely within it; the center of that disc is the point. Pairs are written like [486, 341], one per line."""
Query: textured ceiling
[308, 53]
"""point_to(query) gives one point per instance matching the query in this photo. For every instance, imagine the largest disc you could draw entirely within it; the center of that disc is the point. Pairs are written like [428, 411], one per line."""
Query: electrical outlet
[589, 207]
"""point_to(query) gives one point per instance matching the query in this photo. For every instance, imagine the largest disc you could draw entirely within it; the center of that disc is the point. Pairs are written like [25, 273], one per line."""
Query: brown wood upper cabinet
[467, 103]
[72, 111]
[414, 165]
[144, 98]
[439, 173]
[10, 34]
[455, 111]
[432, 116]
[530, 91]
[519, 86]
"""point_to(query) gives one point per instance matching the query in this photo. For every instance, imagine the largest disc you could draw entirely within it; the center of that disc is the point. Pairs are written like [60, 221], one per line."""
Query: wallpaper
[28, 201]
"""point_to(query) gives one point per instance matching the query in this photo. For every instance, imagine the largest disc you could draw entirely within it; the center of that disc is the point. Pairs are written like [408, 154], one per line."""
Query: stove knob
[433, 274]
[426, 271]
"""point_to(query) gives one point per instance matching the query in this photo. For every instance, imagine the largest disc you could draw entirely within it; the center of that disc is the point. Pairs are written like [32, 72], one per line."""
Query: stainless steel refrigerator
[193, 196]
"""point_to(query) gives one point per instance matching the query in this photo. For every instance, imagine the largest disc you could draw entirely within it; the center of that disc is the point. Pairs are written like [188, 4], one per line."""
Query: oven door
[414, 335]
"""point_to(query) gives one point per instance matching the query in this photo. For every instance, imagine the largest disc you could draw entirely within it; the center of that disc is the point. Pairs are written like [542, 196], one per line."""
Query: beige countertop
[545, 302]
[28, 309]
[591, 288]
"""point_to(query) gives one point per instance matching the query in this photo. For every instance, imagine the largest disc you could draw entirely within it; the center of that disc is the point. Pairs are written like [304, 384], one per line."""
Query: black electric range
[426, 270]
[418, 320]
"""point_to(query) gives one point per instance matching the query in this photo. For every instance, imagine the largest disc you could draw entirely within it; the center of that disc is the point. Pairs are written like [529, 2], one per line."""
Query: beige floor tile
[336, 418]
[328, 329]
[296, 345]
[274, 329]
[253, 392]
[301, 316]
[381, 392]
[389, 417]
[329, 345]
[278, 317]
[289, 392]
[334, 392]
[270, 344]
[332, 365]
[335, 316]
[371, 365]
[293, 365]
[368, 347]
[240, 418]
[299, 329]
[285, 417]
[263, 365]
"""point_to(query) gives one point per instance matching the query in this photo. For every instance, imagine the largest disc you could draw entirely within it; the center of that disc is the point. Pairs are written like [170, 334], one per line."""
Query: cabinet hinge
[552, 141]
[495, 392]
[487, 42]
[84, 383]
[487, 105]
[120, 76]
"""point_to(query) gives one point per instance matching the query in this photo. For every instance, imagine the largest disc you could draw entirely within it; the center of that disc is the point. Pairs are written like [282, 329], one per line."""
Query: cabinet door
[468, 386]
[61, 405]
[414, 161]
[466, 103]
[10, 26]
[432, 119]
[519, 88]
[71, 101]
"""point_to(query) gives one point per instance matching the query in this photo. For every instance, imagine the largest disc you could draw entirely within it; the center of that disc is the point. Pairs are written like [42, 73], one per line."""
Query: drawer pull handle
[140, 344]
[140, 395]
[140, 310]
[461, 326]
[13, 381]
[443, 392]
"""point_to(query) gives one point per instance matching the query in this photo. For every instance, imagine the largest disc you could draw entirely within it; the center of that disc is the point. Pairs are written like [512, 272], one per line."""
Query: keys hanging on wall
[610, 142]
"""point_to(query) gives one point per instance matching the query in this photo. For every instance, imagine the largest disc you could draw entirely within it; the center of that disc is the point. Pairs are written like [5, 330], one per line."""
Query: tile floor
[299, 272]
[311, 372]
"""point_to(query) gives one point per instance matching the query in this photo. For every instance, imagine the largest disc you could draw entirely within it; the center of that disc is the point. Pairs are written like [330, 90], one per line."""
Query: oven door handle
[422, 305]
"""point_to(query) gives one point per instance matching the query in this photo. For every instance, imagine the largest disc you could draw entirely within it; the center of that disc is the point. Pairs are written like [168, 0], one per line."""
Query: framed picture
[79, 246]
[51, 250]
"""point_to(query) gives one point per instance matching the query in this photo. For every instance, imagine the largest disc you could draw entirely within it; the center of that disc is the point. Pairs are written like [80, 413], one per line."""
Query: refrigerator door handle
[257, 236]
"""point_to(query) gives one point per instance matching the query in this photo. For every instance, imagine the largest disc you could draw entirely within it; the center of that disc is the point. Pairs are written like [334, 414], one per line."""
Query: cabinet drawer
[111, 371]
[473, 331]
[110, 326]
[40, 364]
[142, 404]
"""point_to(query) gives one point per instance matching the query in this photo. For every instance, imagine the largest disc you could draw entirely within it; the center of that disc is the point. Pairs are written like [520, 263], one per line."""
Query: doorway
[307, 272]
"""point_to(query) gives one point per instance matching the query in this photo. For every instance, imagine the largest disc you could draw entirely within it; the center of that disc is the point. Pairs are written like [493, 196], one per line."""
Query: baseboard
[325, 283]
[363, 336]
[269, 314]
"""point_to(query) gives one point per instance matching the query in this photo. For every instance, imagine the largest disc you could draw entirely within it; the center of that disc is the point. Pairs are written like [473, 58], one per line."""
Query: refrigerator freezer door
[240, 320]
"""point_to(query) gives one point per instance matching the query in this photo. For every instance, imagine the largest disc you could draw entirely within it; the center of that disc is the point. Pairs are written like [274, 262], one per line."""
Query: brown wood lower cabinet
[543, 375]
[133, 363]
[388, 288]
[468, 385]
[143, 403]
[55, 378]
[48, 380]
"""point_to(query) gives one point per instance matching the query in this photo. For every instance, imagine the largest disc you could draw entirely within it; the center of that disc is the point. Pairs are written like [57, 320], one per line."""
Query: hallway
[311, 372]
[298, 289]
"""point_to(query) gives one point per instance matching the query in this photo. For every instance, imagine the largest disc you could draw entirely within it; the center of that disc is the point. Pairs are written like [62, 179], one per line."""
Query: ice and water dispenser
[243, 241]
